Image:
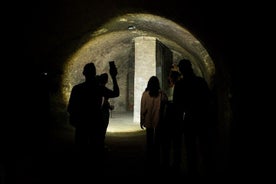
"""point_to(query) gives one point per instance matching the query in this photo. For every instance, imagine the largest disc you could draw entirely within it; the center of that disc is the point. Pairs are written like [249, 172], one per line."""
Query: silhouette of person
[106, 106]
[84, 109]
[85, 112]
[192, 99]
[150, 112]
[169, 137]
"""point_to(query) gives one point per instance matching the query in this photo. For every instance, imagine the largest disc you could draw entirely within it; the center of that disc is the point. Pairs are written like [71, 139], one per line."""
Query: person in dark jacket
[192, 99]
[84, 108]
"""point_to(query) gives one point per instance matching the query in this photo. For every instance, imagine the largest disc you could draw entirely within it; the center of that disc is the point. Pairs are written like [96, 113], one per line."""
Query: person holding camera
[106, 106]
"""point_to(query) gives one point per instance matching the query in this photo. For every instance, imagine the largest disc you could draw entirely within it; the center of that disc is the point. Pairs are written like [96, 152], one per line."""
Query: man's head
[89, 70]
[173, 76]
[185, 66]
[103, 78]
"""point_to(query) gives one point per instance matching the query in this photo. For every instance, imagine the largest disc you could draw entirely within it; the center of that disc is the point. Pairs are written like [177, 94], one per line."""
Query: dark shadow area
[58, 161]
[30, 154]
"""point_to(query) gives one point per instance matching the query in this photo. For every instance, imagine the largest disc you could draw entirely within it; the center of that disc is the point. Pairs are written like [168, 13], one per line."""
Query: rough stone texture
[145, 67]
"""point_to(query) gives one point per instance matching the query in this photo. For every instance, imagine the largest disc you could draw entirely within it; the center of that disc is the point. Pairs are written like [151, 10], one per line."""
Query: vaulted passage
[141, 45]
[62, 36]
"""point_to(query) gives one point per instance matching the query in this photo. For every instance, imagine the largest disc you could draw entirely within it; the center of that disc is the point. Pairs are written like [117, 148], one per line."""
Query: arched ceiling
[114, 41]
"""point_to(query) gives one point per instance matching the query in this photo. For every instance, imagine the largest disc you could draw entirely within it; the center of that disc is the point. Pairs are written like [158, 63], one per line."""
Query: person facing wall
[150, 112]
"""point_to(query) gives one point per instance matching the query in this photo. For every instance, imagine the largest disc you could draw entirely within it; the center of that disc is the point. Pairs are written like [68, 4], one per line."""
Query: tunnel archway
[55, 32]
[114, 41]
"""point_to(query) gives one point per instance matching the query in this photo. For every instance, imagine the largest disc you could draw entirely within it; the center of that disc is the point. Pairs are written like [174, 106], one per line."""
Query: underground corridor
[143, 40]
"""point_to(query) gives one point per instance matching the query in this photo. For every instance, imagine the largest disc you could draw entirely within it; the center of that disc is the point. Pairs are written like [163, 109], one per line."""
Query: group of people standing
[181, 113]
[177, 115]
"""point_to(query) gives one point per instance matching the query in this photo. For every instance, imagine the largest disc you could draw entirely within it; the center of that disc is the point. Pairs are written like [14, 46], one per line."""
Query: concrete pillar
[151, 58]
[144, 68]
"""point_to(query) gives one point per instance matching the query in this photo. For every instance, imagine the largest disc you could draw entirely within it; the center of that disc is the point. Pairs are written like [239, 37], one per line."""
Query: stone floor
[124, 158]
[122, 122]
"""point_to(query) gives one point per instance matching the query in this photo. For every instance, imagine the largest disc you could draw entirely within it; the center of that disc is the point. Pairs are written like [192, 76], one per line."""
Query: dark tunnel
[61, 36]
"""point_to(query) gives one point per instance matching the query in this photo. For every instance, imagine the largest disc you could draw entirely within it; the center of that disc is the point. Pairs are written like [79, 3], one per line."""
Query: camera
[112, 68]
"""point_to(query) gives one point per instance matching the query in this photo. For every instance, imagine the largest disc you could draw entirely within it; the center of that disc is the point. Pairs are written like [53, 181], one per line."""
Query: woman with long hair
[150, 118]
